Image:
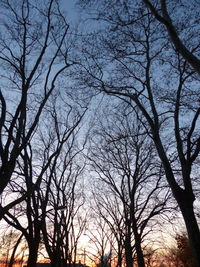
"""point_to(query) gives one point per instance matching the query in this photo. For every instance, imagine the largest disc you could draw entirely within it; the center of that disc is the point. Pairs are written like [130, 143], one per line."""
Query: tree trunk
[33, 253]
[55, 262]
[128, 252]
[119, 259]
[187, 210]
[32, 259]
[185, 199]
[139, 252]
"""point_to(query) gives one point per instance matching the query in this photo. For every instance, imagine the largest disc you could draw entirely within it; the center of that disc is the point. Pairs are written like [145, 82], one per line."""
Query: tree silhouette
[33, 56]
[131, 58]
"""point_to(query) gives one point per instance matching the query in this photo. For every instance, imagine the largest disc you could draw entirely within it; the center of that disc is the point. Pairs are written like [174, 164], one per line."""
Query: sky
[77, 17]
[69, 9]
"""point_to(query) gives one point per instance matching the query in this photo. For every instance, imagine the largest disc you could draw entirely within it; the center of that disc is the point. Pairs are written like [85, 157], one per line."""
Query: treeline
[99, 131]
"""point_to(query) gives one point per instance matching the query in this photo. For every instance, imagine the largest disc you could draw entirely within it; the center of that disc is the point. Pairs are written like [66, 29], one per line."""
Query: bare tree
[39, 164]
[108, 207]
[100, 239]
[61, 194]
[13, 257]
[126, 162]
[8, 241]
[162, 15]
[34, 53]
[63, 223]
[135, 62]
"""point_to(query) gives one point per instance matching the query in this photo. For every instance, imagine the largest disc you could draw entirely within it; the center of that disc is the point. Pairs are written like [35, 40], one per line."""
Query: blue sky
[70, 10]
